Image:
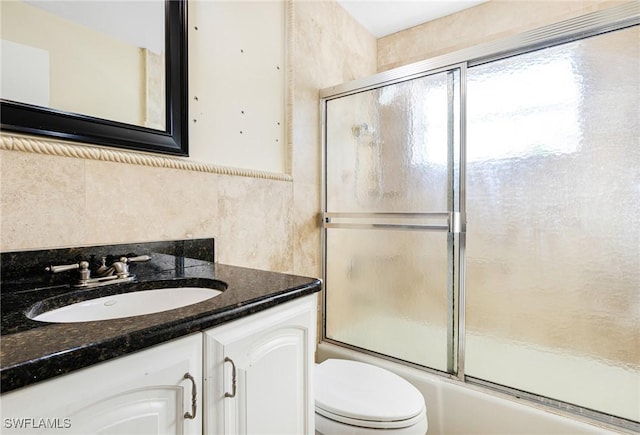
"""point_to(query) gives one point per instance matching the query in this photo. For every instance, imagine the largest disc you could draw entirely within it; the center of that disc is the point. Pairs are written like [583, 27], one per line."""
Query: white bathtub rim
[327, 350]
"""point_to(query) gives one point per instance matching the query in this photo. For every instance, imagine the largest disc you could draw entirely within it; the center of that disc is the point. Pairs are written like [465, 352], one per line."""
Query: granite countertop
[32, 351]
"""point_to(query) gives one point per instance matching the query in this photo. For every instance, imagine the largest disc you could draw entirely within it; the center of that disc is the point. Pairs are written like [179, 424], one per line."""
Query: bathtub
[457, 408]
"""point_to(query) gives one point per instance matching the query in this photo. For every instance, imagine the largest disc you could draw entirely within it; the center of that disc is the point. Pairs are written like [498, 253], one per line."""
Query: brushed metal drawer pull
[233, 378]
[192, 414]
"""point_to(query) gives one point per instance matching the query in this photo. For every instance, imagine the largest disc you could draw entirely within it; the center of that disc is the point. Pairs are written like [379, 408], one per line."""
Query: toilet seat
[370, 424]
[367, 396]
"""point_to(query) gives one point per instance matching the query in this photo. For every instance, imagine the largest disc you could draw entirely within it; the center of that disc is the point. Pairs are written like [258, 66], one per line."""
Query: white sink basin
[128, 304]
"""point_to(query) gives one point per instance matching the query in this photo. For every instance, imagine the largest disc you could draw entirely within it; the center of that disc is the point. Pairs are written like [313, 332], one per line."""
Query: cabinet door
[259, 376]
[142, 393]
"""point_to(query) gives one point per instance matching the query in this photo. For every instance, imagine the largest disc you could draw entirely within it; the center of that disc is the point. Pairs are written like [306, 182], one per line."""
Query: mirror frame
[42, 121]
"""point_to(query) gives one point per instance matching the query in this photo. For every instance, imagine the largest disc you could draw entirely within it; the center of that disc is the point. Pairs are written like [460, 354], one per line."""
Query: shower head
[358, 129]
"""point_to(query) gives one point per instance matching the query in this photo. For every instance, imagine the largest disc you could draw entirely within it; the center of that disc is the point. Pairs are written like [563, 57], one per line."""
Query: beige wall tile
[140, 203]
[486, 22]
[255, 218]
[329, 47]
[306, 229]
[42, 201]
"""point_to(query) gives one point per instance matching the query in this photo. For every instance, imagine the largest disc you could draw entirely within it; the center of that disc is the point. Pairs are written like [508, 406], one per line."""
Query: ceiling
[380, 17]
[384, 17]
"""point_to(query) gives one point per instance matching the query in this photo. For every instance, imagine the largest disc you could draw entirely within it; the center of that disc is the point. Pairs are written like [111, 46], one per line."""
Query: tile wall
[54, 201]
[486, 22]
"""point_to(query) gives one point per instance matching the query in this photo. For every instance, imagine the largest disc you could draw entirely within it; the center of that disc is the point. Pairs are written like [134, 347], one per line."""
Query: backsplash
[26, 269]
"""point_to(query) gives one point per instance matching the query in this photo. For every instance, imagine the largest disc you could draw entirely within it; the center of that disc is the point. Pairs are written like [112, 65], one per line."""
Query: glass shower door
[553, 242]
[391, 201]
[482, 220]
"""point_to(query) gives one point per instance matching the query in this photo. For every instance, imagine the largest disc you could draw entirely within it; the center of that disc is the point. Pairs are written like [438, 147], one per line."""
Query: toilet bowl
[354, 398]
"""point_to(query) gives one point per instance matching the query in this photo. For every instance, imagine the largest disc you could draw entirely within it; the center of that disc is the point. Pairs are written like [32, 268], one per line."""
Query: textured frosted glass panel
[387, 149]
[553, 262]
[387, 292]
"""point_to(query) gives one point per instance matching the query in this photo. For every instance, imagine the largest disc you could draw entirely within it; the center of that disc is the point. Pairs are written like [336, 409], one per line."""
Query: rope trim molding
[62, 149]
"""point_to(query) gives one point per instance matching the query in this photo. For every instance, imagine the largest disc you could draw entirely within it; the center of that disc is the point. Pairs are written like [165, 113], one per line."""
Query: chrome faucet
[117, 272]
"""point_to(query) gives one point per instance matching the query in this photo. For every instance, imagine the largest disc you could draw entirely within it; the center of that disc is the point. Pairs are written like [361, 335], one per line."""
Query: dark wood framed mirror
[169, 137]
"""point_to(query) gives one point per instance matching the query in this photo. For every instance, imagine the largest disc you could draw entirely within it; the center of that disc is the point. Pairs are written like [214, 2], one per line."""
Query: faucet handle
[121, 267]
[82, 265]
[139, 258]
[62, 268]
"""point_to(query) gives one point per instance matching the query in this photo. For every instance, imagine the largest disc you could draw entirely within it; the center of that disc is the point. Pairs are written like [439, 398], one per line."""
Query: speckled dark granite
[32, 351]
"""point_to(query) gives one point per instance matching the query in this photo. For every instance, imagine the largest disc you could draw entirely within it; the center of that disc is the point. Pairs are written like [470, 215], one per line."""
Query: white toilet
[354, 398]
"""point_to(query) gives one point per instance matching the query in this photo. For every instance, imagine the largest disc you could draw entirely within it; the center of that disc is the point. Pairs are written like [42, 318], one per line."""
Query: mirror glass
[102, 72]
[100, 58]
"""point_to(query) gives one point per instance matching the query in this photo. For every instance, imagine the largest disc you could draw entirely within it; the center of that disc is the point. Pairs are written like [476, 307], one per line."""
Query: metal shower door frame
[592, 24]
[454, 216]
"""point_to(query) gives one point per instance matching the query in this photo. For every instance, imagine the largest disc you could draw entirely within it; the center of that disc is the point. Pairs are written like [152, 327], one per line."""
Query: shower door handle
[457, 222]
[452, 222]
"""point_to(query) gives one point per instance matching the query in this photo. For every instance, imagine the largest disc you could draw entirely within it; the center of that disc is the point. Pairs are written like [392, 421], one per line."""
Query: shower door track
[595, 23]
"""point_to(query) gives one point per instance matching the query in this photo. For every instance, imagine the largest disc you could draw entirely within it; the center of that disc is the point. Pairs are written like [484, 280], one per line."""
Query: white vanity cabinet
[258, 372]
[142, 393]
[256, 379]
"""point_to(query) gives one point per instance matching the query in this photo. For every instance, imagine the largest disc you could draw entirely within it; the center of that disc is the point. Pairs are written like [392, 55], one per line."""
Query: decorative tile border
[290, 31]
[29, 144]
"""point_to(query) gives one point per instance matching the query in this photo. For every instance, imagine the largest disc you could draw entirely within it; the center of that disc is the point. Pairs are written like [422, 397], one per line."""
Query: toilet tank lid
[362, 391]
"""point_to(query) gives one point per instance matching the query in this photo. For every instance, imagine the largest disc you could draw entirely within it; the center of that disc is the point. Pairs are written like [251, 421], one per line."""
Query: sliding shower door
[483, 220]
[391, 198]
[553, 241]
